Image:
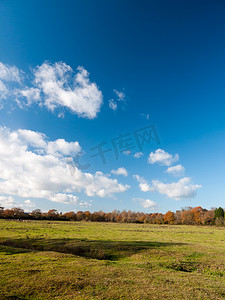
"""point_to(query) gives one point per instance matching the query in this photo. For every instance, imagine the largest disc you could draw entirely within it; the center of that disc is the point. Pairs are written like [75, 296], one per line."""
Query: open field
[82, 260]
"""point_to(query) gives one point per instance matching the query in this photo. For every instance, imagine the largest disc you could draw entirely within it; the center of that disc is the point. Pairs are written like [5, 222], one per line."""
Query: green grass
[78, 260]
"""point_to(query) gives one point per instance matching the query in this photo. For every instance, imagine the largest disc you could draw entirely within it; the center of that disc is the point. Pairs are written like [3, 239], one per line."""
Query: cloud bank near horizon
[31, 166]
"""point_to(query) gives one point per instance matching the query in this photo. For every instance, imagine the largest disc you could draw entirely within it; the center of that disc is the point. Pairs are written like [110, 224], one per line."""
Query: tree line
[187, 216]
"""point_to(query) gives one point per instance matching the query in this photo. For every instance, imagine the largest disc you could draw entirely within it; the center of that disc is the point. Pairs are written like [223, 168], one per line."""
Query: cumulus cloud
[138, 154]
[55, 86]
[120, 95]
[120, 171]
[143, 185]
[3, 91]
[182, 189]
[146, 203]
[31, 138]
[113, 104]
[31, 94]
[126, 152]
[60, 146]
[162, 157]
[8, 201]
[9, 73]
[100, 185]
[29, 169]
[64, 198]
[177, 190]
[28, 203]
[84, 204]
[176, 171]
[68, 199]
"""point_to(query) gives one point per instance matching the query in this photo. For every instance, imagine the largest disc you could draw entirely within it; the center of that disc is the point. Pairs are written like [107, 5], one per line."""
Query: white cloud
[64, 198]
[120, 95]
[138, 154]
[60, 146]
[55, 86]
[176, 171]
[61, 115]
[120, 171]
[113, 104]
[100, 185]
[9, 73]
[29, 203]
[126, 152]
[146, 203]
[31, 94]
[143, 185]
[31, 138]
[163, 158]
[182, 189]
[39, 141]
[3, 90]
[8, 201]
[27, 169]
[177, 190]
[84, 204]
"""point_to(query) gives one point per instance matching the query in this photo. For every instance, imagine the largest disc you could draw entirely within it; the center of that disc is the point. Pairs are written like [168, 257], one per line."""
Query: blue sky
[75, 74]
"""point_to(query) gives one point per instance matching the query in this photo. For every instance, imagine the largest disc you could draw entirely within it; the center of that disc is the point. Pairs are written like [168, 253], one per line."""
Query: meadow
[86, 260]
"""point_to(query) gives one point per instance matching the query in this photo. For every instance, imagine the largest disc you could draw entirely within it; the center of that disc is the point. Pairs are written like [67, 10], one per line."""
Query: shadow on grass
[14, 298]
[7, 250]
[102, 250]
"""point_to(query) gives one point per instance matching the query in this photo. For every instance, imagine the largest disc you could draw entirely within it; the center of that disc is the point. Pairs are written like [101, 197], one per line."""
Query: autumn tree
[124, 216]
[197, 214]
[159, 218]
[207, 218]
[140, 217]
[36, 214]
[52, 214]
[177, 216]
[1, 211]
[70, 215]
[80, 216]
[14, 213]
[169, 217]
[87, 215]
[187, 217]
[108, 217]
[131, 216]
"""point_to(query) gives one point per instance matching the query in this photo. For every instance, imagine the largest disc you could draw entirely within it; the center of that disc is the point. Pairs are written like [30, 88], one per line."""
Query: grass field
[78, 260]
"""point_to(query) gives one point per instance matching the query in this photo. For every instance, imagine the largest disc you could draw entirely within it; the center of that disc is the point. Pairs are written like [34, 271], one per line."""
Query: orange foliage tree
[169, 217]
